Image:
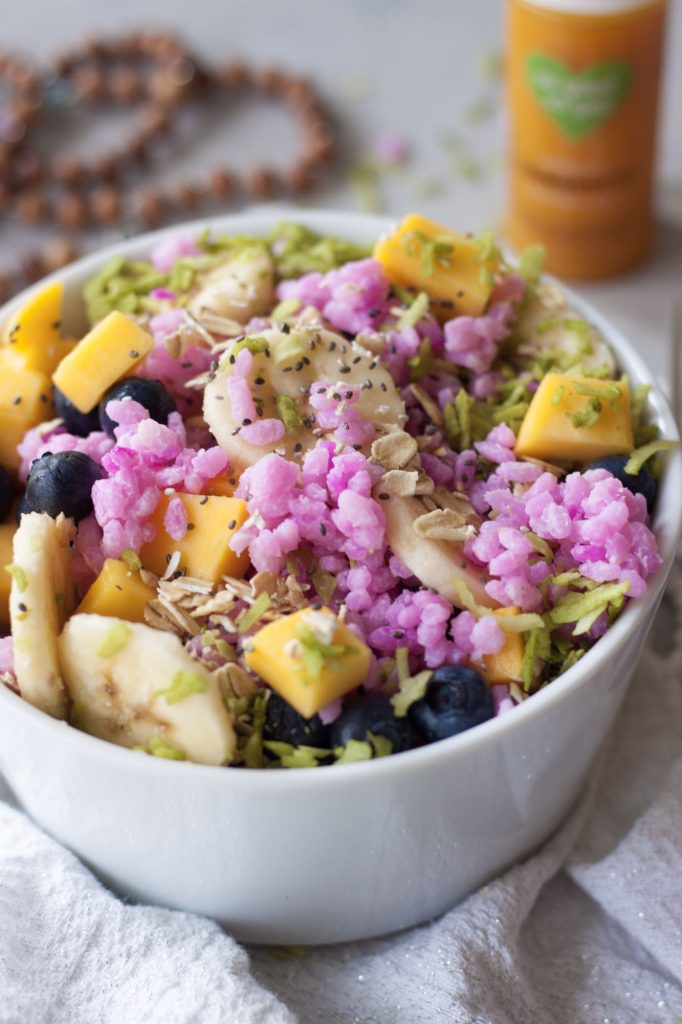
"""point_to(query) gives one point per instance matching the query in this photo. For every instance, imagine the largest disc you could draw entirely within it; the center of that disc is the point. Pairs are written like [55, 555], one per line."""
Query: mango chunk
[7, 531]
[423, 255]
[576, 418]
[111, 349]
[310, 658]
[25, 401]
[118, 592]
[224, 484]
[505, 666]
[204, 550]
[38, 321]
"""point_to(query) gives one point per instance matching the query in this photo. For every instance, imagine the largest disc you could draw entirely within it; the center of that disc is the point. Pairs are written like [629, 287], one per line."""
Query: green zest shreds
[414, 313]
[588, 416]
[252, 615]
[324, 583]
[536, 651]
[158, 747]
[123, 285]
[297, 250]
[507, 623]
[288, 412]
[18, 575]
[289, 756]
[423, 363]
[432, 252]
[184, 685]
[115, 640]
[316, 655]
[256, 346]
[131, 559]
[611, 392]
[251, 747]
[284, 309]
[531, 262]
[412, 688]
[585, 609]
[646, 452]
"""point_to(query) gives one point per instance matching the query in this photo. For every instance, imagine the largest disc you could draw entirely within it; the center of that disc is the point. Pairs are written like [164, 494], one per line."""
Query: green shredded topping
[317, 655]
[256, 346]
[288, 412]
[531, 263]
[521, 623]
[412, 688]
[249, 618]
[184, 684]
[382, 745]
[588, 416]
[609, 392]
[423, 363]
[251, 748]
[431, 252]
[414, 313]
[581, 608]
[558, 395]
[647, 451]
[131, 559]
[158, 747]
[402, 663]
[18, 575]
[540, 545]
[289, 756]
[122, 285]
[324, 583]
[354, 750]
[289, 348]
[536, 650]
[117, 637]
[284, 309]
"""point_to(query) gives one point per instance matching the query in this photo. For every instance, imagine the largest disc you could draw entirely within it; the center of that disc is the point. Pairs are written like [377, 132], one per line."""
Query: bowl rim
[359, 226]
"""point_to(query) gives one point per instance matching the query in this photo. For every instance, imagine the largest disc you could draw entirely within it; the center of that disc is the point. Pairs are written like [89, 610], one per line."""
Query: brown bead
[88, 83]
[262, 183]
[162, 88]
[32, 267]
[181, 72]
[58, 253]
[222, 184]
[5, 288]
[66, 171]
[270, 80]
[236, 75]
[106, 167]
[301, 178]
[124, 84]
[72, 212]
[26, 168]
[186, 196]
[299, 93]
[32, 206]
[155, 122]
[105, 205]
[138, 148]
[151, 207]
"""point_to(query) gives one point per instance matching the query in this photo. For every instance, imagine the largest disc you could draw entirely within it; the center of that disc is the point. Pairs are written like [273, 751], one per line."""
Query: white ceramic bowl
[331, 854]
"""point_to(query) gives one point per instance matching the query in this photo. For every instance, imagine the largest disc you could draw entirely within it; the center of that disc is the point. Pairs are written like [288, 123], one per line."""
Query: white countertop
[414, 68]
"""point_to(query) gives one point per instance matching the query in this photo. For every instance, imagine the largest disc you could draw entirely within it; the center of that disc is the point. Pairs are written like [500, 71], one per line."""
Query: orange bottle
[583, 81]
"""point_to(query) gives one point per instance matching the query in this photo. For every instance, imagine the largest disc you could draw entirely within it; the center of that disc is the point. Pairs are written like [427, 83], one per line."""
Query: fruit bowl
[322, 856]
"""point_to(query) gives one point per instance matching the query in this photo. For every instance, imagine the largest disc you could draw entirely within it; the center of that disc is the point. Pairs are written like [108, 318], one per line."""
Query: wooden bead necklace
[156, 75]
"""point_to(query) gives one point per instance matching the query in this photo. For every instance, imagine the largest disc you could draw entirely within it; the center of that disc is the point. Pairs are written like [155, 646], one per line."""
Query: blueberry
[150, 393]
[79, 423]
[62, 483]
[283, 723]
[456, 699]
[639, 483]
[6, 492]
[370, 712]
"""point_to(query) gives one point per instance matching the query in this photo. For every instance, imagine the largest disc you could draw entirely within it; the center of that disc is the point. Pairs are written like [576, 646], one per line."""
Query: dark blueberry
[22, 506]
[6, 492]
[150, 393]
[62, 483]
[283, 723]
[456, 699]
[370, 712]
[639, 483]
[79, 423]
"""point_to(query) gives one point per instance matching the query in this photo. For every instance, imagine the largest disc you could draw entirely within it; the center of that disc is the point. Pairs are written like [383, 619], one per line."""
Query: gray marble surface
[403, 66]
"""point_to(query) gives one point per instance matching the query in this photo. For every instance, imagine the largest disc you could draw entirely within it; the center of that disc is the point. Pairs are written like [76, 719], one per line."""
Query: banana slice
[134, 685]
[437, 563]
[239, 289]
[548, 324]
[41, 598]
[292, 362]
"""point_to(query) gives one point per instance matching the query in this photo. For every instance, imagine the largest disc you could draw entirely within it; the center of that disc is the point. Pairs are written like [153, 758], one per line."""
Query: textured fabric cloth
[587, 931]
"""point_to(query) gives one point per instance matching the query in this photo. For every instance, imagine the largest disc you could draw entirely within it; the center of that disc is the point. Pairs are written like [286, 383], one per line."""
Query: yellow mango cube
[7, 531]
[205, 549]
[423, 255]
[38, 321]
[576, 418]
[118, 592]
[310, 658]
[112, 348]
[505, 666]
[224, 484]
[25, 401]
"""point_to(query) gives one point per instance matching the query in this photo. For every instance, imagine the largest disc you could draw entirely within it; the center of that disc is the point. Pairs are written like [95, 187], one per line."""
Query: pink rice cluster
[326, 506]
[590, 521]
[174, 373]
[167, 252]
[336, 410]
[37, 442]
[473, 341]
[147, 459]
[353, 298]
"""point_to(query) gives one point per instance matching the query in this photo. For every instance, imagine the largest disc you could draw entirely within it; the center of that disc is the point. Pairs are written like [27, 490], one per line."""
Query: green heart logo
[578, 101]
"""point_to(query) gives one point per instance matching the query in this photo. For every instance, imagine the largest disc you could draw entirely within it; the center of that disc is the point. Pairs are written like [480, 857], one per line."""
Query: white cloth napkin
[588, 931]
